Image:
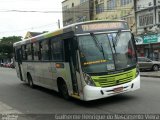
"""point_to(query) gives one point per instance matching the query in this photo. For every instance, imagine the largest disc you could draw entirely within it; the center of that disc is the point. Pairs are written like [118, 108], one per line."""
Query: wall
[125, 12]
[144, 4]
[78, 13]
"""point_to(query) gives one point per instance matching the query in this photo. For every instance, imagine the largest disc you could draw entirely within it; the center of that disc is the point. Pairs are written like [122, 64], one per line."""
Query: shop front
[148, 46]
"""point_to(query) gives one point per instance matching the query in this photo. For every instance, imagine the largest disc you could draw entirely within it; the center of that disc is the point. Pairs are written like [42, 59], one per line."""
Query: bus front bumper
[93, 93]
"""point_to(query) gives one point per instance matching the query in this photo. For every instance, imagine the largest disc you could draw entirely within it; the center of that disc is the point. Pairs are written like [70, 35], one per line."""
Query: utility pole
[59, 24]
[135, 11]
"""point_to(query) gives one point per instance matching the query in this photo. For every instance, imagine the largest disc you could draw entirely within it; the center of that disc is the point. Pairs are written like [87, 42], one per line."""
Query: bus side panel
[28, 68]
[64, 73]
[39, 72]
[34, 70]
[22, 70]
[45, 74]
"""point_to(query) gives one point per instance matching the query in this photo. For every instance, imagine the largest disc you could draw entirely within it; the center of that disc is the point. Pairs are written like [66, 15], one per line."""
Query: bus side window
[45, 50]
[32, 51]
[35, 51]
[24, 52]
[39, 52]
[19, 55]
[57, 50]
[29, 52]
[15, 54]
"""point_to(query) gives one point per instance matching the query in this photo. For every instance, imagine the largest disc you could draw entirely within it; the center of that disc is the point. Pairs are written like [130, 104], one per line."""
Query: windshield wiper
[117, 39]
[99, 45]
[114, 46]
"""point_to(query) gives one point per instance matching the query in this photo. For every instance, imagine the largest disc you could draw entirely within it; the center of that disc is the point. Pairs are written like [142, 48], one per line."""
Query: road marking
[5, 109]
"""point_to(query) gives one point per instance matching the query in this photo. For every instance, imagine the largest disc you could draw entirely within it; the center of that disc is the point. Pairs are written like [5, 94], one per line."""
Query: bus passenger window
[45, 50]
[36, 50]
[24, 52]
[57, 50]
[29, 52]
[32, 51]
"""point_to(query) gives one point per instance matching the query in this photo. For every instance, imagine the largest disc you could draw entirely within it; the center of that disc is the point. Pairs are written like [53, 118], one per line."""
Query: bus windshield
[106, 52]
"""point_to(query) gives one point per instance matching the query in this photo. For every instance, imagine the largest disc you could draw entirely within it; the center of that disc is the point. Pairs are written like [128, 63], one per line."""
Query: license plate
[119, 89]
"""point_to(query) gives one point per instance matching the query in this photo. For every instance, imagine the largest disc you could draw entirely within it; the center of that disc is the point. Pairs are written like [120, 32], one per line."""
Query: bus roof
[66, 29]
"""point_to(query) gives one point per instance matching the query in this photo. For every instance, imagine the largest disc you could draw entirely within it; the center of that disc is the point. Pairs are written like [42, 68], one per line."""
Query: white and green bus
[87, 61]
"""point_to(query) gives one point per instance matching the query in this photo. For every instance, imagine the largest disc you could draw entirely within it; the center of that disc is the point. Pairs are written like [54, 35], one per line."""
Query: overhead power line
[32, 11]
[68, 10]
[34, 27]
[79, 10]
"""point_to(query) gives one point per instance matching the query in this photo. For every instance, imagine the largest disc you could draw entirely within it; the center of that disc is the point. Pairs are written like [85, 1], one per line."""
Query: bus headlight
[88, 80]
[137, 70]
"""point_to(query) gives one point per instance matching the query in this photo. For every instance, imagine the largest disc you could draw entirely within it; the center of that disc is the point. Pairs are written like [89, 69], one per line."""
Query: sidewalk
[155, 74]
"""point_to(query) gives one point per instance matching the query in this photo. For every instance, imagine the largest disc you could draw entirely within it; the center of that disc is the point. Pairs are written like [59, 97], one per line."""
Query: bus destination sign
[102, 26]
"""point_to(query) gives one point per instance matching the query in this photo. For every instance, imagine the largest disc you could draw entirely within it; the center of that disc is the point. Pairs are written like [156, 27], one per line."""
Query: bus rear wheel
[30, 81]
[63, 90]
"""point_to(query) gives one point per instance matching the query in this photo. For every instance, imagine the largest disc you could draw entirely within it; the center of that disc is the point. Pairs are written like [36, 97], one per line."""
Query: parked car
[1, 64]
[7, 65]
[4, 64]
[147, 64]
[11, 65]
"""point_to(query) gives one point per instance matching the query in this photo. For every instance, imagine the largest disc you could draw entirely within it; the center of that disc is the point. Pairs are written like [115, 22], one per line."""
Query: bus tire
[30, 81]
[62, 88]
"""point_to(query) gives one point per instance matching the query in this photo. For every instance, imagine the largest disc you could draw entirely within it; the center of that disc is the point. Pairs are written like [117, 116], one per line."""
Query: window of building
[65, 7]
[99, 8]
[126, 2]
[111, 4]
[82, 1]
[57, 50]
[146, 19]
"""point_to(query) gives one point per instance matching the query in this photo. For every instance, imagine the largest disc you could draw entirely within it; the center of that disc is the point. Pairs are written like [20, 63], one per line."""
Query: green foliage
[6, 46]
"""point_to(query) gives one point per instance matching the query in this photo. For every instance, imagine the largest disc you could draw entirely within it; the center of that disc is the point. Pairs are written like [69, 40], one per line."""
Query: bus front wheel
[63, 90]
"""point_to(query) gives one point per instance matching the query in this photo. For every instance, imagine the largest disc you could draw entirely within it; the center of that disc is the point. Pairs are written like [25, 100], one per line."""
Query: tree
[6, 46]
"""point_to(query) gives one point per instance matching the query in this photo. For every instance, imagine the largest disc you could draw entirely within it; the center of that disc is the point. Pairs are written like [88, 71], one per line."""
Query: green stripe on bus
[54, 33]
[114, 79]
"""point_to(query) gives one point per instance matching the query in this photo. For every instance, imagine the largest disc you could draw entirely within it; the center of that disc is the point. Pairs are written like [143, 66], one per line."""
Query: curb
[150, 76]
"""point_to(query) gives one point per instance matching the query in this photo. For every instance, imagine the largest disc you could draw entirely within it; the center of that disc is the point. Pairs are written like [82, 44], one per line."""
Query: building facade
[147, 13]
[76, 11]
[115, 10]
[83, 10]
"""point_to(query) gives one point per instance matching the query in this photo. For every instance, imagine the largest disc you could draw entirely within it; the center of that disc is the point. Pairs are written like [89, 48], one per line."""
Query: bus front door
[71, 57]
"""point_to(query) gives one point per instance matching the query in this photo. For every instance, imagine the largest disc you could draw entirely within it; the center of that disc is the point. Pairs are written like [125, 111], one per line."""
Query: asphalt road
[18, 96]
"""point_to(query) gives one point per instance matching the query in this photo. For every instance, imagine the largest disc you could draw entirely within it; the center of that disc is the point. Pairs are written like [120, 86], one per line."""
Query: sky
[37, 16]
